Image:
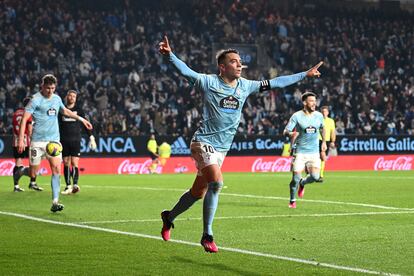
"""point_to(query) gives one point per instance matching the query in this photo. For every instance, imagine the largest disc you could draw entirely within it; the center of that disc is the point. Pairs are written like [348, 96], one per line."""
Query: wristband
[81, 119]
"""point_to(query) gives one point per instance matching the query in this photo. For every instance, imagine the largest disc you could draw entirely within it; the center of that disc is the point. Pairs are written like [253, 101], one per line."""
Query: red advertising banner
[231, 164]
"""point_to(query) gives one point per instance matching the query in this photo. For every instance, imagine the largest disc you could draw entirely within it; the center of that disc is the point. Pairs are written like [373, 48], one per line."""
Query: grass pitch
[353, 223]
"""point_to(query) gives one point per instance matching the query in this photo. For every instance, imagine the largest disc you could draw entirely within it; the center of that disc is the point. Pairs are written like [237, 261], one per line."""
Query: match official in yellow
[152, 148]
[330, 135]
[164, 152]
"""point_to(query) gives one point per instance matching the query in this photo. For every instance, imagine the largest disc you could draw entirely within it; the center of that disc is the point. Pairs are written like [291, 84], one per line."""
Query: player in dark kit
[19, 170]
[70, 137]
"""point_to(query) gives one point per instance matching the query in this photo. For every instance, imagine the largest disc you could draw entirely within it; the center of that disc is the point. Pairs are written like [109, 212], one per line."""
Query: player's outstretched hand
[87, 124]
[164, 46]
[313, 72]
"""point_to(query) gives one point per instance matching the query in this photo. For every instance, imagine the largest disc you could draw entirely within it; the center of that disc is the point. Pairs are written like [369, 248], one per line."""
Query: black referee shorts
[152, 155]
[71, 148]
[24, 154]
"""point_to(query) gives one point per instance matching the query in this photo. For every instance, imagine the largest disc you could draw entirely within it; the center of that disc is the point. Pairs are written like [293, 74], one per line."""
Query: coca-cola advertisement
[254, 164]
[401, 163]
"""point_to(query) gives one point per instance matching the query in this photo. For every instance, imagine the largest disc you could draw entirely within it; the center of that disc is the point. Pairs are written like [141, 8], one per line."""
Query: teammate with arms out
[223, 99]
[70, 137]
[329, 126]
[19, 170]
[44, 108]
[307, 123]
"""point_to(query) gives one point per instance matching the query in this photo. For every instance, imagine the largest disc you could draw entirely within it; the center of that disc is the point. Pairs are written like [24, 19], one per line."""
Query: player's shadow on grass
[218, 267]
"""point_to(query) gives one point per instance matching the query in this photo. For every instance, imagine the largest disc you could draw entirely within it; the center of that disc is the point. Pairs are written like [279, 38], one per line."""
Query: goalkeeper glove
[92, 143]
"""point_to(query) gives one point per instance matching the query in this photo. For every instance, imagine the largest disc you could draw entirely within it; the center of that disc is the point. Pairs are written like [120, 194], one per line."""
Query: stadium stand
[109, 54]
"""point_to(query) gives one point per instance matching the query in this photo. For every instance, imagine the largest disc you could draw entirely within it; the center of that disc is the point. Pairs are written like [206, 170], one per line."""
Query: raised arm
[75, 116]
[185, 71]
[283, 81]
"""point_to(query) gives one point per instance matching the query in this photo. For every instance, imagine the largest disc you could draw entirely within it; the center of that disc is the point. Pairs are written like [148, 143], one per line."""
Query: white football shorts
[37, 152]
[309, 160]
[205, 155]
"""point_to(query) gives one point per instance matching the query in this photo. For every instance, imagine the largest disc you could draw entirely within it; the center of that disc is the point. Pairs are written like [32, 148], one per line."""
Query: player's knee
[55, 169]
[315, 175]
[215, 186]
[296, 178]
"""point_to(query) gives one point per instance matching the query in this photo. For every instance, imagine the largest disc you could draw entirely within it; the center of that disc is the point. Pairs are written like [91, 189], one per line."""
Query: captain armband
[264, 85]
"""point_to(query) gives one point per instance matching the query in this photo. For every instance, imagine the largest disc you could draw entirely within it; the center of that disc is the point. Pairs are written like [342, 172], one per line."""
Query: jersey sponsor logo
[229, 104]
[68, 119]
[310, 130]
[179, 147]
[51, 112]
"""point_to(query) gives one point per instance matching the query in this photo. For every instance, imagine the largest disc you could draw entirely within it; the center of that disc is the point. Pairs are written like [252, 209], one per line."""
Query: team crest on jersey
[310, 130]
[238, 92]
[229, 104]
[51, 112]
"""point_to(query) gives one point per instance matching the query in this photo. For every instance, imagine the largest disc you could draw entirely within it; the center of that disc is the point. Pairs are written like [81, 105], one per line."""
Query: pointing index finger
[318, 65]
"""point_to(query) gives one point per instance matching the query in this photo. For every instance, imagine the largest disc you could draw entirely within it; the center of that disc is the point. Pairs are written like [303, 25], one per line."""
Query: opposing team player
[70, 137]
[44, 108]
[19, 170]
[223, 99]
[307, 124]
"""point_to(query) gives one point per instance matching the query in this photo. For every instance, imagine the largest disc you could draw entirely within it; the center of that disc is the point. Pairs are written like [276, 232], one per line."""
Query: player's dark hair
[26, 100]
[72, 91]
[49, 79]
[325, 107]
[307, 94]
[221, 55]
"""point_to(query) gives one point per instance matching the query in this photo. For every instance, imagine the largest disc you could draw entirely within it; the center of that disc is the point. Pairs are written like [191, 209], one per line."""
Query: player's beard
[310, 109]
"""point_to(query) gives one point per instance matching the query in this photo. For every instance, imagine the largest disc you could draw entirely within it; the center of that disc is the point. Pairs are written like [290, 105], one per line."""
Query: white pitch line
[256, 196]
[288, 175]
[236, 250]
[251, 217]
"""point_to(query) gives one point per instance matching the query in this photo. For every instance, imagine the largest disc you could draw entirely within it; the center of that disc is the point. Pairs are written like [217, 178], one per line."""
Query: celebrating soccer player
[307, 123]
[223, 99]
[44, 108]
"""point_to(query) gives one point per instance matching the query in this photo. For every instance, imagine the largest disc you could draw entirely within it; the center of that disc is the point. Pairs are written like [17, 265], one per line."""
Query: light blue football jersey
[222, 104]
[308, 127]
[45, 116]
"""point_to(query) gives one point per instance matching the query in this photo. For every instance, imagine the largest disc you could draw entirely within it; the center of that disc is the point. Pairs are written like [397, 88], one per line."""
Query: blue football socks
[210, 206]
[55, 187]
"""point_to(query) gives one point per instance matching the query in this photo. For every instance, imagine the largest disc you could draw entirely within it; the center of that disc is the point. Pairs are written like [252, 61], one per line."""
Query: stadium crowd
[109, 55]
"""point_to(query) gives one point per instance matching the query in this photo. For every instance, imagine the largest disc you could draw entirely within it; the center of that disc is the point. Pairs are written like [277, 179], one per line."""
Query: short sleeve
[292, 123]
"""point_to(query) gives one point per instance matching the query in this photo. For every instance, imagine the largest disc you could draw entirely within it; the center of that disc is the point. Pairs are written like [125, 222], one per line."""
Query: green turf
[378, 242]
